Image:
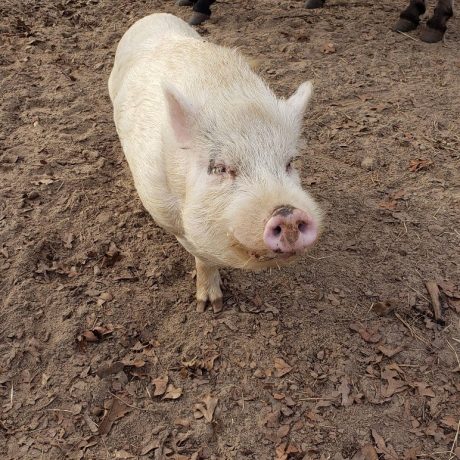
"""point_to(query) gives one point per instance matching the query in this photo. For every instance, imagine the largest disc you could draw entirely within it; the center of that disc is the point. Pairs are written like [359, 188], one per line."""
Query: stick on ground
[432, 288]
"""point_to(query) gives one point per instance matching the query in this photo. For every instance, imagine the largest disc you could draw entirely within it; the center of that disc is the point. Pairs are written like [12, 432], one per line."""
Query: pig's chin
[260, 259]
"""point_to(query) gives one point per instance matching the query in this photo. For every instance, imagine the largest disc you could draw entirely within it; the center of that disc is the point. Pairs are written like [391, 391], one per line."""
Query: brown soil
[313, 361]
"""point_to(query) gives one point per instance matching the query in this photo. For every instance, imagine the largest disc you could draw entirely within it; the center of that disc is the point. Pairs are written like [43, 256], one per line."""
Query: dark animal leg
[409, 19]
[202, 11]
[437, 25]
[311, 4]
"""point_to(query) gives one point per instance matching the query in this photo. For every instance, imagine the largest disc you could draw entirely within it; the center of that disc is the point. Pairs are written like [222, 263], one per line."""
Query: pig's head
[244, 205]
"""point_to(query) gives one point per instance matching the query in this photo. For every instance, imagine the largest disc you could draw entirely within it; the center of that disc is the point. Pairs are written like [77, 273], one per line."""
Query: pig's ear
[299, 100]
[181, 114]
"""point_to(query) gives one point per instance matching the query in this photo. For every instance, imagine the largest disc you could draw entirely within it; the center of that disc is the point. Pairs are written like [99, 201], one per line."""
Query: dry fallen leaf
[206, 410]
[412, 453]
[382, 448]
[283, 431]
[419, 164]
[328, 48]
[206, 363]
[91, 424]
[367, 452]
[395, 385]
[116, 411]
[123, 454]
[68, 240]
[283, 450]
[450, 421]
[389, 352]
[345, 391]
[424, 390]
[161, 384]
[45, 181]
[134, 362]
[383, 308]
[368, 335]
[450, 289]
[392, 200]
[109, 369]
[281, 367]
[388, 204]
[154, 444]
[111, 256]
[172, 392]
[89, 336]
[103, 298]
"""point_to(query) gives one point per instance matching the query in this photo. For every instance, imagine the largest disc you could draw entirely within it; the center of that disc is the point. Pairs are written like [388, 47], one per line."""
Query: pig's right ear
[299, 100]
[181, 114]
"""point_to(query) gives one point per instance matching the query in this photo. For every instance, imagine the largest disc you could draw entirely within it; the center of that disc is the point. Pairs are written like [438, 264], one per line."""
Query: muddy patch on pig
[102, 354]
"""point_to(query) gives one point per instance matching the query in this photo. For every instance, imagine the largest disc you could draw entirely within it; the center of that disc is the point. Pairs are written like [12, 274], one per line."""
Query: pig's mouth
[274, 255]
[262, 257]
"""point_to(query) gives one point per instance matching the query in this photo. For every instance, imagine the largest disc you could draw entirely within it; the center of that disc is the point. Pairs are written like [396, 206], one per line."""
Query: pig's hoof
[184, 3]
[312, 4]
[217, 305]
[429, 35]
[200, 306]
[198, 18]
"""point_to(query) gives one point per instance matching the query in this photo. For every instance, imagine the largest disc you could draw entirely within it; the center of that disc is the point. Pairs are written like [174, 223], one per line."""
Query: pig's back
[141, 39]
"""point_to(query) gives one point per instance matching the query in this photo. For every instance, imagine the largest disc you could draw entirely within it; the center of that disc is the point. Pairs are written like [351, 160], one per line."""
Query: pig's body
[208, 145]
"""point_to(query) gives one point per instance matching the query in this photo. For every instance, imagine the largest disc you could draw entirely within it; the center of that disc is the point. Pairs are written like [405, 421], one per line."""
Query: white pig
[210, 148]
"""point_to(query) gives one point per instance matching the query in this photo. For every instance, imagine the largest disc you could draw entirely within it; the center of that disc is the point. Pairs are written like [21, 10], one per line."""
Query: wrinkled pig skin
[210, 148]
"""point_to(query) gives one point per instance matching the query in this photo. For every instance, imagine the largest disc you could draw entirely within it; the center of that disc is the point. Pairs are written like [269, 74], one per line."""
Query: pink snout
[290, 230]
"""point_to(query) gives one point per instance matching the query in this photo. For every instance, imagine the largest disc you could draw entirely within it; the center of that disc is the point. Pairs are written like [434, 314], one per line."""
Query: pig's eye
[219, 169]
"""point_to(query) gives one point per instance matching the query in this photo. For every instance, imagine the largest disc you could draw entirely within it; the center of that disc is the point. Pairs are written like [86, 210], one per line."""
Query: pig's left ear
[182, 115]
[299, 100]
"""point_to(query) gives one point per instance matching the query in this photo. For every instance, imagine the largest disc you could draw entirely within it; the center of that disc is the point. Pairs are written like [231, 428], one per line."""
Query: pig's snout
[290, 230]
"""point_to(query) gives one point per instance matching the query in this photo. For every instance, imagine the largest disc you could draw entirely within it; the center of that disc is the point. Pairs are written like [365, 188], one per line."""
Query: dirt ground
[337, 357]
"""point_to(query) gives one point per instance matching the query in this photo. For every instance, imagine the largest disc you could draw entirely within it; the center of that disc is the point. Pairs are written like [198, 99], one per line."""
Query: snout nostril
[277, 230]
[302, 226]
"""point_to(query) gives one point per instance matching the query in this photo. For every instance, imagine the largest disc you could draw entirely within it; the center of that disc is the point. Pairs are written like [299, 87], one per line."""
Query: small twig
[455, 353]
[316, 399]
[130, 405]
[11, 394]
[60, 410]
[451, 453]
[419, 293]
[321, 258]
[407, 35]
[411, 330]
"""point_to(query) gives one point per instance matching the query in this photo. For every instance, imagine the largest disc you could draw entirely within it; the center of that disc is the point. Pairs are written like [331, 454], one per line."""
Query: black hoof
[312, 4]
[184, 3]
[429, 35]
[198, 18]
[404, 25]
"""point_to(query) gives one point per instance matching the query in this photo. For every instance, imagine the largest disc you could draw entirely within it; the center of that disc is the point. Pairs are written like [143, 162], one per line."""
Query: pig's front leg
[207, 286]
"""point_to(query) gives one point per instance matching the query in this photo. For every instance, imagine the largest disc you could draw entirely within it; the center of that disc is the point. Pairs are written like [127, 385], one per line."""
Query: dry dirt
[339, 356]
